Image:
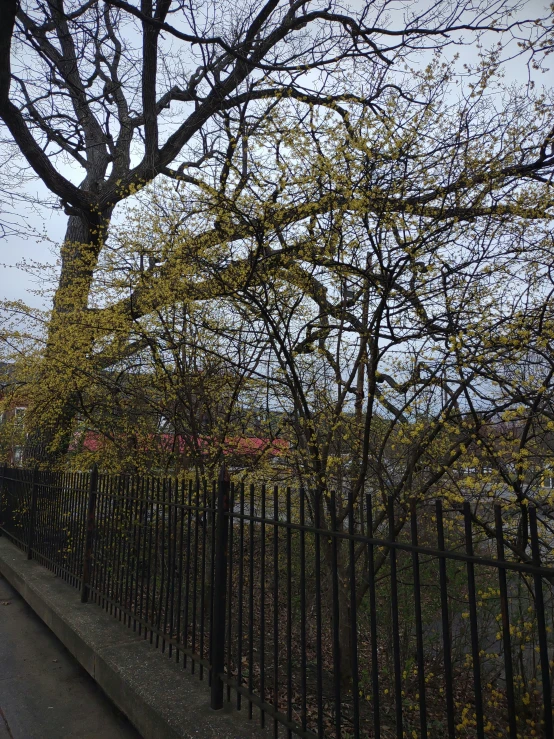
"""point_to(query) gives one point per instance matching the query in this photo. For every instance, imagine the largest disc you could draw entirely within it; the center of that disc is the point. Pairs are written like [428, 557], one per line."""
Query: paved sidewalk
[44, 692]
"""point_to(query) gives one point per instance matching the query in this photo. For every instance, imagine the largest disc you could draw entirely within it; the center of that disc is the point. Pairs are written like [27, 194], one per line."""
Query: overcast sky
[17, 282]
[40, 232]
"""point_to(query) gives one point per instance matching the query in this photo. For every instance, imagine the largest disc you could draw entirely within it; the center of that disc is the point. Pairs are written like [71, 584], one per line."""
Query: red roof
[242, 446]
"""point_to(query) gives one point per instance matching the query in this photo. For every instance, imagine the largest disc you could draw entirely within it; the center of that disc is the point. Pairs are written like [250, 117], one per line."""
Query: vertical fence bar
[276, 607]
[155, 594]
[336, 616]
[79, 531]
[99, 573]
[105, 484]
[251, 599]
[59, 522]
[145, 558]
[124, 530]
[138, 529]
[446, 640]
[32, 517]
[181, 556]
[541, 624]
[353, 618]
[38, 535]
[213, 510]
[64, 517]
[195, 571]
[318, 619]
[110, 559]
[166, 557]
[230, 563]
[220, 589]
[2, 481]
[174, 585]
[116, 545]
[289, 611]
[187, 582]
[373, 621]
[71, 538]
[240, 589]
[206, 563]
[128, 602]
[419, 625]
[505, 612]
[89, 535]
[303, 658]
[164, 566]
[473, 622]
[160, 599]
[395, 625]
[203, 586]
[262, 607]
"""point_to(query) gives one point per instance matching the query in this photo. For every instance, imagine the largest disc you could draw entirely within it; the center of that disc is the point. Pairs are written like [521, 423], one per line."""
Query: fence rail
[326, 616]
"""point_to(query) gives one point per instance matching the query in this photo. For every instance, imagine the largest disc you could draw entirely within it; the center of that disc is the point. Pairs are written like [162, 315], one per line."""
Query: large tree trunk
[79, 253]
[71, 335]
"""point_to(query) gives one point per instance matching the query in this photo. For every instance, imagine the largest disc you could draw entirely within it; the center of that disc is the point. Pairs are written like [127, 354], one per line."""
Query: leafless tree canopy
[117, 93]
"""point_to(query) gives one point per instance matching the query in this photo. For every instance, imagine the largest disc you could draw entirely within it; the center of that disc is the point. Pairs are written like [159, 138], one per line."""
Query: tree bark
[70, 340]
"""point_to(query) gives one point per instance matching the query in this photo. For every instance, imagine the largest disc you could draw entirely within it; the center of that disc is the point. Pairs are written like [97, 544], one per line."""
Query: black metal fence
[322, 615]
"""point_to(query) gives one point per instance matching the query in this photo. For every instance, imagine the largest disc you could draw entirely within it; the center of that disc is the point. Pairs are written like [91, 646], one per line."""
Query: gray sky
[16, 283]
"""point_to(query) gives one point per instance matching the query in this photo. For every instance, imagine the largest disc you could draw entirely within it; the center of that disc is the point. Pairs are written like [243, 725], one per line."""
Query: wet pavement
[44, 692]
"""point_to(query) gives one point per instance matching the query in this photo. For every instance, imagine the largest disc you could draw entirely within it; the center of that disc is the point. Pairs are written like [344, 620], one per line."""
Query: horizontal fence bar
[547, 572]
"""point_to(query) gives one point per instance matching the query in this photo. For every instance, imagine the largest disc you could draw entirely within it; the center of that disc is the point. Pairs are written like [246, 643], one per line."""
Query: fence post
[2, 493]
[220, 589]
[34, 494]
[541, 625]
[89, 534]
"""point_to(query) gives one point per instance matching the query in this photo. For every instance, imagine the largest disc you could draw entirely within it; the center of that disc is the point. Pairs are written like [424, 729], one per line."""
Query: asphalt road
[44, 692]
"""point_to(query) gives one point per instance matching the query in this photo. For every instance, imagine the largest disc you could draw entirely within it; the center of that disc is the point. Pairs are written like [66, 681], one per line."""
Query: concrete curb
[159, 698]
